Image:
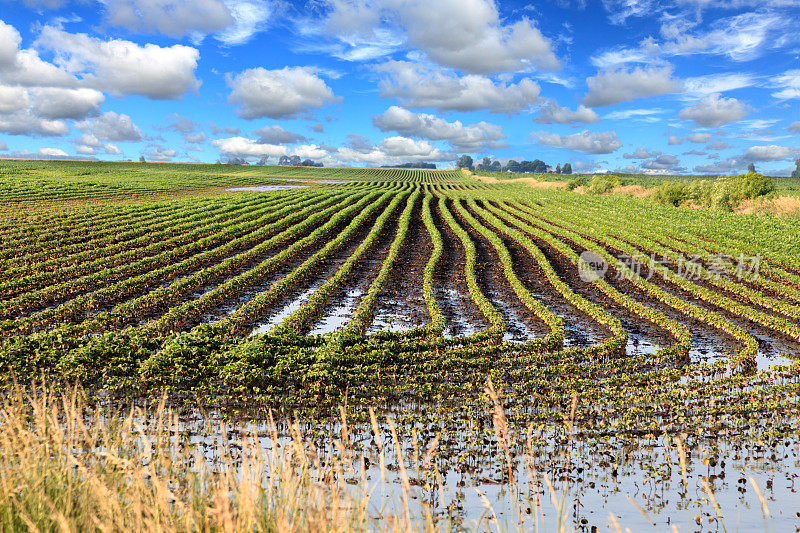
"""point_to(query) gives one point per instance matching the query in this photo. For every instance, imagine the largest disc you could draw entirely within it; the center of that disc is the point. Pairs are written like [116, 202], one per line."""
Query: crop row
[298, 321]
[745, 358]
[302, 217]
[76, 260]
[174, 319]
[206, 250]
[362, 316]
[53, 286]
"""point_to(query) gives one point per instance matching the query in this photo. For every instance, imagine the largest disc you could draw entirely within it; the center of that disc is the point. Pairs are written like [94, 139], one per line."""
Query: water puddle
[340, 315]
[642, 485]
[282, 314]
[395, 315]
[456, 323]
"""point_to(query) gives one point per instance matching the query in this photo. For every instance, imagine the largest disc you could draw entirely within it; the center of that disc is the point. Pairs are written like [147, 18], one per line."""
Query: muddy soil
[401, 304]
[521, 324]
[347, 298]
[641, 336]
[287, 267]
[709, 343]
[462, 316]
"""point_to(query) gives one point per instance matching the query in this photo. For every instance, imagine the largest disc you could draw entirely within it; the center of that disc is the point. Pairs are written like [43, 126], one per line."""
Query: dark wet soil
[462, 316]
[401, 304]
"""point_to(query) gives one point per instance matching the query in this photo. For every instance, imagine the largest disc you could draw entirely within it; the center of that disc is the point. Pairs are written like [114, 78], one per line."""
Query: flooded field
[513, 383]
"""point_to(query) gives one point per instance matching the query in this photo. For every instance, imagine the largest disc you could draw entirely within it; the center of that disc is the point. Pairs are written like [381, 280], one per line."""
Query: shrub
[603, 183]
[725, 193]
[730, 191]
[672, 193]
[576, 182]
[700, 191]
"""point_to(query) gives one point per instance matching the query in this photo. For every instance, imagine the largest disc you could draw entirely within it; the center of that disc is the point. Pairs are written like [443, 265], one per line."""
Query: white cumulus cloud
[552, 113]
[587, 142]
[470, 138]
[641, 153]
[770, 153]
[279, 93]
[714, 111]
[611, 87]
[277, 135]
[123, 67]
[52, 152]
[111, 126]
[57, 102]
[174, 18]
[468, 35]
[417, 85]
[244, 147]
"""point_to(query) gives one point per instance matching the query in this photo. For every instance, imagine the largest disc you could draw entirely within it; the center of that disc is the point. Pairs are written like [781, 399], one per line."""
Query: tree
[796, 172]
[485, 164]
[558, 168]
[142, 159]
[539, 166]
[465, 161]
[567, 169]
[751, 168]
[496, 166]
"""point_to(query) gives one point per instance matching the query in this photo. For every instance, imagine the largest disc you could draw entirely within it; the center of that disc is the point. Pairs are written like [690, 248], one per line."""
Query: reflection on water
[640, 482]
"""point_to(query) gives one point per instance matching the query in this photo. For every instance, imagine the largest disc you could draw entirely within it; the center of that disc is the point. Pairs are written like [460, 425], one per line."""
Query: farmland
[453, 306]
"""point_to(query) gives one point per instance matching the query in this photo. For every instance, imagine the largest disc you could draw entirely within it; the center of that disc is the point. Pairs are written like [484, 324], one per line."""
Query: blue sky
[676, 86]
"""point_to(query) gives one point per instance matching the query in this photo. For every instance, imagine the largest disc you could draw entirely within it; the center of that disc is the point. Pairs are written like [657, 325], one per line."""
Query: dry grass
[781, 206]
[66, 466]
[637, 191]
[531, 182]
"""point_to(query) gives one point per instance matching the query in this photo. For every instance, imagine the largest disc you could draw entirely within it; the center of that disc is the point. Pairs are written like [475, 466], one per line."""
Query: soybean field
[427, 296]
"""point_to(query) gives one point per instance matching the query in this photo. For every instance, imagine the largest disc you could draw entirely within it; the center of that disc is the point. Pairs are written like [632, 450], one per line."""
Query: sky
[652, 86]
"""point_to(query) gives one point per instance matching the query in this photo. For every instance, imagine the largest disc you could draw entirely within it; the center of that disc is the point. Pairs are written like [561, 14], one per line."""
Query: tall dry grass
[66, 465]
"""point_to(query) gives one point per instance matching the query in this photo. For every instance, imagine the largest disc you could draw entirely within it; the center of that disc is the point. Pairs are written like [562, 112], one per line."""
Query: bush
[672, 193]
[603, 183]
[701, 191]
[574, 183]
[725, 193]
[750, 185]
[730, 191]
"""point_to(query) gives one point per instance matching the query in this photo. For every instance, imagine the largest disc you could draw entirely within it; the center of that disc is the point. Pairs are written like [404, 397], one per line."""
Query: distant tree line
[285, 161]
[536, 166]
[294, 161]
[429, 166]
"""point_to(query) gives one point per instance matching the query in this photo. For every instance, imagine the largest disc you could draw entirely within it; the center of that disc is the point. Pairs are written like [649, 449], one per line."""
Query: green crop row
[298, 321]
[177, 316]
